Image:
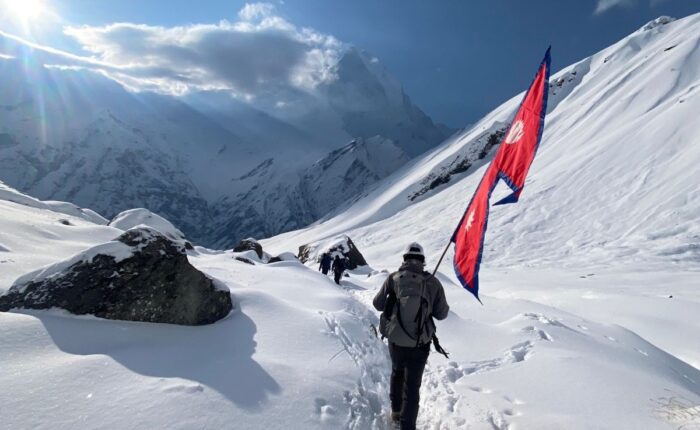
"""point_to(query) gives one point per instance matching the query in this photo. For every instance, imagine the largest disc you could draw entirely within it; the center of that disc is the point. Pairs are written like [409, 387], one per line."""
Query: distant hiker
[409, 299]
[325, 265]
[338, 268]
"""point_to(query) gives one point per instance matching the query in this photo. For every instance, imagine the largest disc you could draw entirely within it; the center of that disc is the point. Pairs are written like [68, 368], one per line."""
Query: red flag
[511, 163]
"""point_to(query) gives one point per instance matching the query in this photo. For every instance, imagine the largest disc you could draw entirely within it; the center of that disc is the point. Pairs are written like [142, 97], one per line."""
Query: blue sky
[457, 59]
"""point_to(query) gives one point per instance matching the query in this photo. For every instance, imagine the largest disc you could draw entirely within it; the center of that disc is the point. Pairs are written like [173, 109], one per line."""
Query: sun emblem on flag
[516, 132]
[470, 220]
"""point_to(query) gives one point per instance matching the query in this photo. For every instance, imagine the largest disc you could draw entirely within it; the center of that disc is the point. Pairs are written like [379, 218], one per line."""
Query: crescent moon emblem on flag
[516, 132]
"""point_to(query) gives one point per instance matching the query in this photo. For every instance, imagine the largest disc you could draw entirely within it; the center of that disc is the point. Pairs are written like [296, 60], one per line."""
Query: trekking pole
[442, 256]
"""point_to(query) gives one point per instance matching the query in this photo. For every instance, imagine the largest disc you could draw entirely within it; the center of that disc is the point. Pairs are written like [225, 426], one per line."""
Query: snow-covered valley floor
[549, 350]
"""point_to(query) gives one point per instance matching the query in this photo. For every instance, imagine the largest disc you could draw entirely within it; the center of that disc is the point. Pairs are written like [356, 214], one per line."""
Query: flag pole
[442, 256]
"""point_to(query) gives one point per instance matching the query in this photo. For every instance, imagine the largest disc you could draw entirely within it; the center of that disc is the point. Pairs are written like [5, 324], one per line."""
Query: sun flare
[25, 11]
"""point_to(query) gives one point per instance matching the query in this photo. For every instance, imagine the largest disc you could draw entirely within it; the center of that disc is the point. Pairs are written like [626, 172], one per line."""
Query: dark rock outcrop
[285, 256]
[249, 245]
[343, 246]
[141, 276]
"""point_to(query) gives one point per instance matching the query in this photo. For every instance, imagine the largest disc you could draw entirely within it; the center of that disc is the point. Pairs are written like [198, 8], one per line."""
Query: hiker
[338, 268]
[407, 322]
[325, 265]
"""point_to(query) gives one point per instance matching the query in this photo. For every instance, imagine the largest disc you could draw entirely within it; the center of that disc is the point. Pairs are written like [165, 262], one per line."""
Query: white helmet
[414, 250]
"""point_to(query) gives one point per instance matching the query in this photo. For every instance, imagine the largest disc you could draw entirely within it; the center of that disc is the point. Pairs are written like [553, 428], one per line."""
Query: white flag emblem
[470, 221]
[516, 132]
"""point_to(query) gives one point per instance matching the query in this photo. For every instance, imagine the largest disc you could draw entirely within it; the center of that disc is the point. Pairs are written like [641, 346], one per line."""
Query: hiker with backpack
[409, 300]
[338, 268]
[325, 265]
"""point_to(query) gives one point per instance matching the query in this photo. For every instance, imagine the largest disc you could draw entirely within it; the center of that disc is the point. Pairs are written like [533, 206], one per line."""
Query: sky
[456, 59]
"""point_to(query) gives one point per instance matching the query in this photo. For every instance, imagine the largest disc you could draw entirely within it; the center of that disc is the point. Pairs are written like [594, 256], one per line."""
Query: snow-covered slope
[35, 233]
[615, 179]
[603, 247]
[299, 353]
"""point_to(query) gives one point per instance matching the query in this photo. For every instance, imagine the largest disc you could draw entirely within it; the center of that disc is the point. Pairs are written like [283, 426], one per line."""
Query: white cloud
[260, 54]
[252, 11]
[605, 5]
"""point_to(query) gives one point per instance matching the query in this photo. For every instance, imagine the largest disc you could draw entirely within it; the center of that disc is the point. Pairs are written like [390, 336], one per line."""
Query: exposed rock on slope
[342, 246]
[141, 276]
[249, 245]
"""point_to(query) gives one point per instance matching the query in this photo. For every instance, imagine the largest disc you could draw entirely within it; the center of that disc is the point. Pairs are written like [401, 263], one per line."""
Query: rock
[249, 244]
[285, 256]
[342, 245]
[244, 260]
[140, 276]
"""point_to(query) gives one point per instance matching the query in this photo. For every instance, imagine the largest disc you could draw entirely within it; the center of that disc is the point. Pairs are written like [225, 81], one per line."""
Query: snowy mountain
[77, 136]
[371, 102]
[589, 284]
[279, 200]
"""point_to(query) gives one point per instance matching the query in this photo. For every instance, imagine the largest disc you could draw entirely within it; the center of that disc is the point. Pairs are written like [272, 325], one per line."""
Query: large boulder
[341, 245]
[141, 276]
[249, 244]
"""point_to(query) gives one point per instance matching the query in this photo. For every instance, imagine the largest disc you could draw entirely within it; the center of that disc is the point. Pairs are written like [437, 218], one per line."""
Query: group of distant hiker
[337, 265]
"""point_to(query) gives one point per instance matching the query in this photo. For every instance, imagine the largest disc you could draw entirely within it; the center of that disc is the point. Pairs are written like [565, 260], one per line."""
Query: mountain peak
[658, 22]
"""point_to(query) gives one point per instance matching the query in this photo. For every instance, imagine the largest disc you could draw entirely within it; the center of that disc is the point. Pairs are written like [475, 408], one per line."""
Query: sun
[27, 12]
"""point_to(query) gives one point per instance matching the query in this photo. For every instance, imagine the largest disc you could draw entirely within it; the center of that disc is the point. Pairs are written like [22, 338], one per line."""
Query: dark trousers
[324, 270]
[407, 365]
[338, 275]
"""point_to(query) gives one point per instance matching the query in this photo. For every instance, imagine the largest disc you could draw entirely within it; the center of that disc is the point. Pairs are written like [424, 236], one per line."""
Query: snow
[115, 249]
[12, 195]
[32, 235]
[136, 217]
[589, 286]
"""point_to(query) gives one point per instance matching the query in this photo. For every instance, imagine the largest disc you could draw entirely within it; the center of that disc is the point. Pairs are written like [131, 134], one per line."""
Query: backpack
[407, 317]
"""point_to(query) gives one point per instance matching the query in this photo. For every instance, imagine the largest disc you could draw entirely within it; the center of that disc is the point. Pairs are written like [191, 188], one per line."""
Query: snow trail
[441, 406]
